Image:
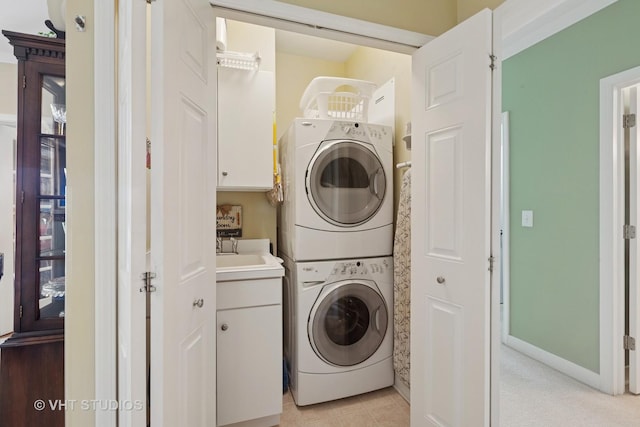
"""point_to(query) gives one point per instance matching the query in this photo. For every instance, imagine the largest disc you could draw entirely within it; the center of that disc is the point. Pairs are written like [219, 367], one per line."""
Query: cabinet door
[249, 363]
[246, 102]
[41, 210]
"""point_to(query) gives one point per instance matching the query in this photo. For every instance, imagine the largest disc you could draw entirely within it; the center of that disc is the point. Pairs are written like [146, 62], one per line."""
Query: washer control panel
[332, 271]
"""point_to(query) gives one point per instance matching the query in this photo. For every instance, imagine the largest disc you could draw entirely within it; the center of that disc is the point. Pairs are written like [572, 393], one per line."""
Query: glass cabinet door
[51, 230]
[41, 179]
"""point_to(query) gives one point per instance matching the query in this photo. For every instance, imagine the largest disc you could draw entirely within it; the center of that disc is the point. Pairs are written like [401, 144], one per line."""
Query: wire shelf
[239, 60]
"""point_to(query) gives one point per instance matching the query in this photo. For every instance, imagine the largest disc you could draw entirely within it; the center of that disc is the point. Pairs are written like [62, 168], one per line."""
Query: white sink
[243, 266]
[240, 260]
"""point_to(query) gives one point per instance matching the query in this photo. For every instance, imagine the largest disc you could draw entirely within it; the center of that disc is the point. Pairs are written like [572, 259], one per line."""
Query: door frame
[106, 202]
[504, 225]
[513, 20]
[612, 252]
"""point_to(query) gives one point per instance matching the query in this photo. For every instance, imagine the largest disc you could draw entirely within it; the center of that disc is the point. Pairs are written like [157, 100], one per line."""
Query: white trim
[8, 120]
[402, 389]
[527, 22]
[320, 24]
[496, 178]
[505, 271]
[564, 366]
[106, 200]
[612, 198]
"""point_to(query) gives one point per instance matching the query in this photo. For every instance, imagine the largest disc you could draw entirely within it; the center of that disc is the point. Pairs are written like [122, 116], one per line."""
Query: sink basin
[240, 260]
[233, 267]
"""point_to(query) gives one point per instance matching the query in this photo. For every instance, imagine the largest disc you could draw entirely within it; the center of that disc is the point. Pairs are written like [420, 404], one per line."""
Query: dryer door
[345, 182]
[347, 323]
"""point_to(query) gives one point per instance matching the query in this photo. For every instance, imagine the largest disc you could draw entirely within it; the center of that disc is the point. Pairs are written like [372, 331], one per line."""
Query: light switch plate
[527, 218]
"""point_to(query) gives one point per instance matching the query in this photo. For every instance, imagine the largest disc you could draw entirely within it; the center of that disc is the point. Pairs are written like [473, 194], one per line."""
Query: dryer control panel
[357, 131]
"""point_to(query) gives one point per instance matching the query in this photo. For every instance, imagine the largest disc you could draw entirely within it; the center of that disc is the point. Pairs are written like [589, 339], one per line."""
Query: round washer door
[345, 182]
[348, 323]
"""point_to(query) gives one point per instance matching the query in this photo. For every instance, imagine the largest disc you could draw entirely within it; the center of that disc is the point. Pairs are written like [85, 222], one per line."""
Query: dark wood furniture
[32, 359]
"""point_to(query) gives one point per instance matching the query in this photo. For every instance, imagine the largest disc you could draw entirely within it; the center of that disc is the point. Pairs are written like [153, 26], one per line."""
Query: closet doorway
[620, 217]
[299, 58]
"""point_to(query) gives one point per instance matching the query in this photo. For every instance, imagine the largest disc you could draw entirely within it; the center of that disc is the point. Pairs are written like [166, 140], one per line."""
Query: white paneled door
[451, 233]
[183, 188]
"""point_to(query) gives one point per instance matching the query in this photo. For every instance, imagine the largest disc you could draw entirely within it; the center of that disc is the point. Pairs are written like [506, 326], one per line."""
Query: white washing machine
[338, 330]
[338, 187]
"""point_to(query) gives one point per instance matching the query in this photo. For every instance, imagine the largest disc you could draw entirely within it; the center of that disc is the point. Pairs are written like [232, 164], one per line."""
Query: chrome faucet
[220, 246]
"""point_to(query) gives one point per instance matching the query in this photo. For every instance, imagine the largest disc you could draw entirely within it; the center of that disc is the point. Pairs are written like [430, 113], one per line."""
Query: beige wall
[8, 106]
[8, 91]
[292, 77]
[431, 17]
[80, 307]
[468, 8]
[7, 224]
[258, 216]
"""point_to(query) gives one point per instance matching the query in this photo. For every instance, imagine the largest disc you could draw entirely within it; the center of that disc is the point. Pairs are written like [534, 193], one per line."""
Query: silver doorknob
[198, 303]
[440, 280]
[224, 327]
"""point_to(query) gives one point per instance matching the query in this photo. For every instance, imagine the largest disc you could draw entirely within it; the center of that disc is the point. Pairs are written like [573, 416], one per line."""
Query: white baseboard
[402, 389]
[574, 371]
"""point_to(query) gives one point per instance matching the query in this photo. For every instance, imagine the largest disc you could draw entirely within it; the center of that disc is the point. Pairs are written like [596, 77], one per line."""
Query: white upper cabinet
[245, 129]
[246, 107]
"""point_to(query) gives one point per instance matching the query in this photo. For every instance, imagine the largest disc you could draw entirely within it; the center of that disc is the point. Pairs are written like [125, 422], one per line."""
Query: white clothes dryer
[338, 188]
[338, 329]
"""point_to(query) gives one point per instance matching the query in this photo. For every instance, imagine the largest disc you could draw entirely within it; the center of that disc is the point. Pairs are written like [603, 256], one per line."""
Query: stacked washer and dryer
[335, 234]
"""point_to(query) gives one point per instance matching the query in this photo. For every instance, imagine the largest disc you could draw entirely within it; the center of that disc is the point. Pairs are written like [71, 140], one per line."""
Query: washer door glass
[346, 182]
[348, 324]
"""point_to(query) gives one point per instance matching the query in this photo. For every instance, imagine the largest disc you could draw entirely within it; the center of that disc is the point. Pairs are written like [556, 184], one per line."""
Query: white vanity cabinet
[246, 105]
[249, 352]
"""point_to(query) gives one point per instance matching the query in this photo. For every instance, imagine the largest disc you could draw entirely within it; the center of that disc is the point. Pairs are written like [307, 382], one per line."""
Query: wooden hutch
[32, 359]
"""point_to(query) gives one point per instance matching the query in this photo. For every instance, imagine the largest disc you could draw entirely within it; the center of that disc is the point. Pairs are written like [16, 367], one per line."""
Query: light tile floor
[381, 408]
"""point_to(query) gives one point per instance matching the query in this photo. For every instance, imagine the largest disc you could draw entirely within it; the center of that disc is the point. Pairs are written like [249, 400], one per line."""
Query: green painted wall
[552, 93]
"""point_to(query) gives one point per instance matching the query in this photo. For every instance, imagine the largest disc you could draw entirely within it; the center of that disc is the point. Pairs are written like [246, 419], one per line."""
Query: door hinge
[629, 343]
[628, 121]
[148, 153]
[24, 81]
[629, 232]
[21, 311]
[146, 278]
[493, 62]
[491, 261]
[22, 196]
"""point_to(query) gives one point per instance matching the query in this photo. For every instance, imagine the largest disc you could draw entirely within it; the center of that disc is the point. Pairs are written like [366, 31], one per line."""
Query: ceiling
[28, 16]
[24, 16]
